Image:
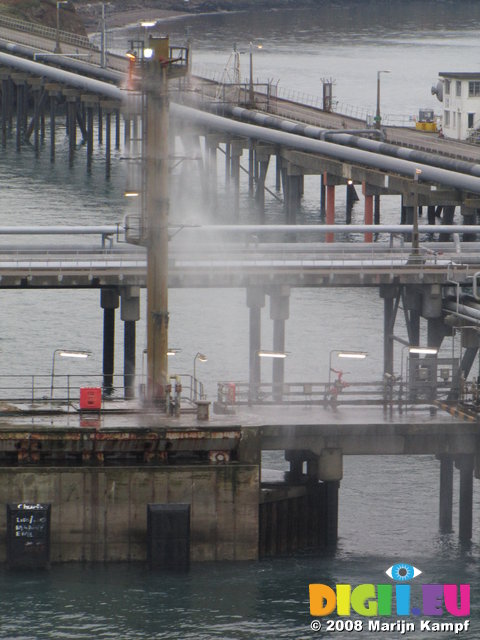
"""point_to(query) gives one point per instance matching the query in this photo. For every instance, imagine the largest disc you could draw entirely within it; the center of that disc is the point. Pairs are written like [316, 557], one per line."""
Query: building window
[474, 89]
[447, 87]
[471, 120]
[458, 88]
[446, 118]
[454, 119]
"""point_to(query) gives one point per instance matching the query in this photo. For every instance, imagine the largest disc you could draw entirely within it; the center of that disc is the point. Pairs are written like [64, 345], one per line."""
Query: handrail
[48, 32]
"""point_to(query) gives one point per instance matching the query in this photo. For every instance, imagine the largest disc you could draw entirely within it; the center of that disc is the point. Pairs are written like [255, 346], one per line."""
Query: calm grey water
[388, 506]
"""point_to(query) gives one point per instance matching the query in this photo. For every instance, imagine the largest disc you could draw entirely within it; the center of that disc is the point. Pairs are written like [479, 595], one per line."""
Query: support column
[109, 302]
[71, 96]
[20, 84]
[465, 464]
[278, 172]
[388, 293]
[117, 129]
[36, 120]
[5, 92]
[90, 107]
[322, 197]
[100, 125]
[446, 493]
[293, 194]
[262, 163]
[228, 163]
[251, 166]
[447, 218]
[469, 218]
[126, 131]
[349, 201]
[255, 302]
[330, 237]
[236, 152]
[368, 211]
[108, 143]
[130, 314]
[279, 312]
[376, 209]
[53, 93]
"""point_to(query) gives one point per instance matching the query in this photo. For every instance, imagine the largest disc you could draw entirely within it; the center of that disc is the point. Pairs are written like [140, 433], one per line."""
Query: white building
[460, 94]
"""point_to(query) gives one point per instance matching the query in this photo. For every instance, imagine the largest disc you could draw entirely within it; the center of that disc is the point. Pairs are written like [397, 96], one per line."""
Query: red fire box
[90, 399]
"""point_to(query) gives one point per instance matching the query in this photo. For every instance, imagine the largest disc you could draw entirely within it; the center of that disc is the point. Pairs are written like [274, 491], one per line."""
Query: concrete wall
[100, 514]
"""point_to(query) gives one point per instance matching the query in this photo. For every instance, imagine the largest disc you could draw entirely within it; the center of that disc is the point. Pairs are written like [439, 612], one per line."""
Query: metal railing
[320, 393]
[47, 32]
[43, 391]
[276, 94]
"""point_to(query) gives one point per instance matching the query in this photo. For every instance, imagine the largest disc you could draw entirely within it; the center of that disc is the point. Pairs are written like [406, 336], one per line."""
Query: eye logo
[402, 572]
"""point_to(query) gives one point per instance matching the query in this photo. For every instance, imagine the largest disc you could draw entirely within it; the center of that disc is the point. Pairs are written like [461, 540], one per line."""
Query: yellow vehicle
[426, 121]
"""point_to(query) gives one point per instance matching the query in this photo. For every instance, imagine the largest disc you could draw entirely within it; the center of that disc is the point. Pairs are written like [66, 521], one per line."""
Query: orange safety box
[90, 399]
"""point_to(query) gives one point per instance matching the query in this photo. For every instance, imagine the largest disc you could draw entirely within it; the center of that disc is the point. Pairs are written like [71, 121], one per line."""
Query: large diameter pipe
[60, 75]
[350, 139]
[329, 149]
[329, 228]
[62, 61]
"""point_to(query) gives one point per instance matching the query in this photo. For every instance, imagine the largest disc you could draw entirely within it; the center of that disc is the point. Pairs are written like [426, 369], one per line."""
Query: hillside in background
[44, 12]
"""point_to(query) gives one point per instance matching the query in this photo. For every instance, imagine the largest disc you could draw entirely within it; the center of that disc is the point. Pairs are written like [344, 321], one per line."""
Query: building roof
[460, 75]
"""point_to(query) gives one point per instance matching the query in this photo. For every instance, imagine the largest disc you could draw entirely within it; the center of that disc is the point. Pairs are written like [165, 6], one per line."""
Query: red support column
[329, 237]
[368, 212]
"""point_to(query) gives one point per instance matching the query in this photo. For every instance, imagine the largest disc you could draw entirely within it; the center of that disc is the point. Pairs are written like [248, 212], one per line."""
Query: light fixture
[172, 351]
[148, 53]
[359, 355]
[131, 194]
[354, 355]
[423, 350]
[263, 353]
[202, 358]
[66, 353]
[148, 23]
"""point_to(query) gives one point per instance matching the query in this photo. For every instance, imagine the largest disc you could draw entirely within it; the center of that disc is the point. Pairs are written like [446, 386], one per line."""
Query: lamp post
[65, 353]
[202, 358]
[252, 93]
[57, 35]
[354, 355]
[378, 117]
[147, 24]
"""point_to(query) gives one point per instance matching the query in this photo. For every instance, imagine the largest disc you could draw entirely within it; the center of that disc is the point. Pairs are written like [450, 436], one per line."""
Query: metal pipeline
[350, 139]
[331, 228]
[345, 154]
[369, 158]
[59, 230]
[60, 75]
[63, 61]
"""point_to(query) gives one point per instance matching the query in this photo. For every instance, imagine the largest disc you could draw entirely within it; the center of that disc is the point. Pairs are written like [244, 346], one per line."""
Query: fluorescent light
[423, 350]
[271, 354]
[148, 23]
[359, 355]
[74, 354]
[131, 194]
